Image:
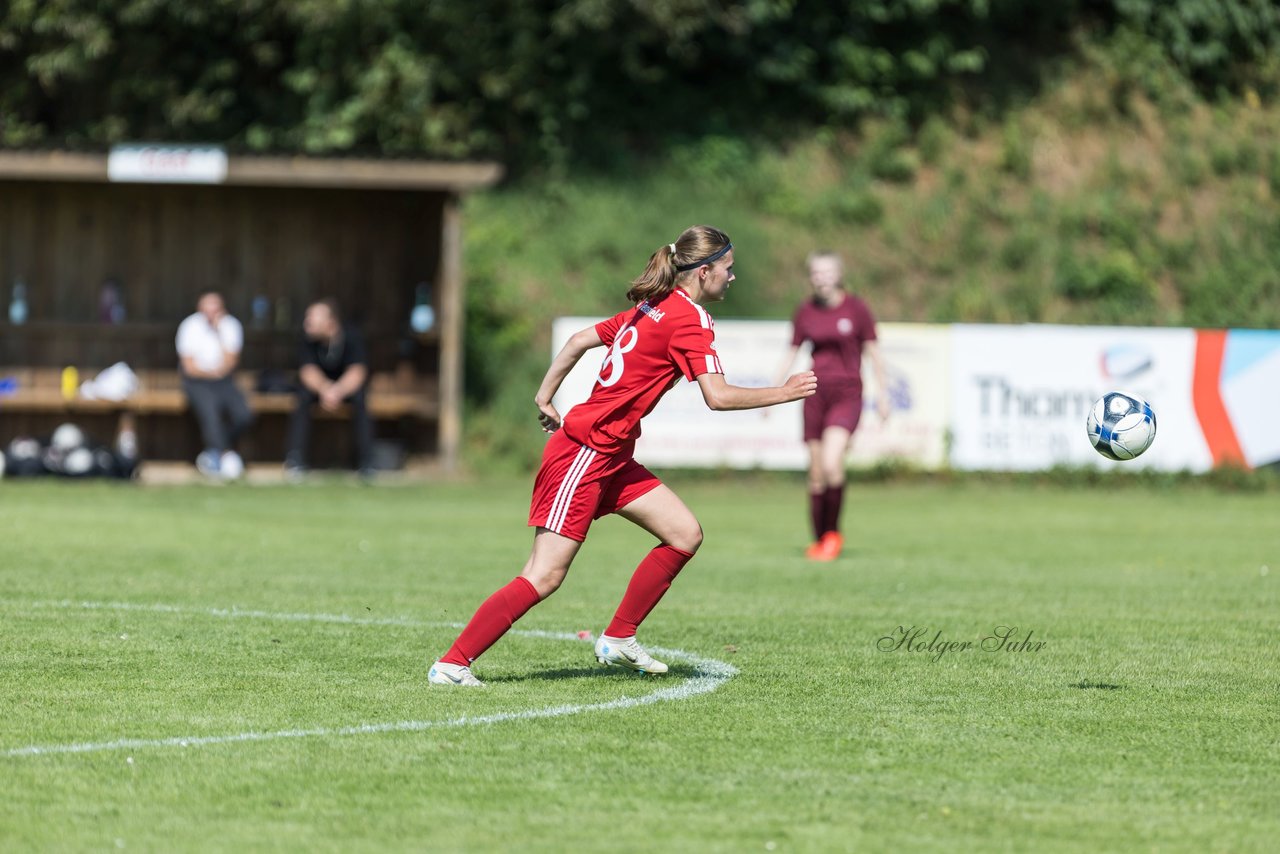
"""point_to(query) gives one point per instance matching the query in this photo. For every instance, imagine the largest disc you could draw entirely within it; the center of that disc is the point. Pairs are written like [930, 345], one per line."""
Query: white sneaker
[231, 467]
[443, 673]
[625, 652]
[208, 463]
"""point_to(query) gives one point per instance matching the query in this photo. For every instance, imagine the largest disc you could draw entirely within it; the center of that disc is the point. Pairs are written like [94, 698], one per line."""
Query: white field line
[233, 613]
[709, 674]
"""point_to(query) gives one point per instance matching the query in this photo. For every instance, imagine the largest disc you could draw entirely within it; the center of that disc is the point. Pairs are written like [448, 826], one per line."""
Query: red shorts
[577, 485]
[838, 403]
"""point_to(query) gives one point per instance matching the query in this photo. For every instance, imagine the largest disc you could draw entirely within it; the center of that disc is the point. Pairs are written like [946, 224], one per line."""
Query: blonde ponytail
[697, 245]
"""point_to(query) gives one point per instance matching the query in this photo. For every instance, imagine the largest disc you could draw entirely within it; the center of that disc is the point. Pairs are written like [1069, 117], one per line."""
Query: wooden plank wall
[166, 244]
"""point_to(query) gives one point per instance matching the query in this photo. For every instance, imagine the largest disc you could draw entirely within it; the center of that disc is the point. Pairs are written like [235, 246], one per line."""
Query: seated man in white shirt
[209, 344]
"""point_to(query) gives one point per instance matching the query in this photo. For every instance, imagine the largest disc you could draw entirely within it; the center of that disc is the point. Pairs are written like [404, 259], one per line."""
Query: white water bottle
[18, 305]
[423, 316]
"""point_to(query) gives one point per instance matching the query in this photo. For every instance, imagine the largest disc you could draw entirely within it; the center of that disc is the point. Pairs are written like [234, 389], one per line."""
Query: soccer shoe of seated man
[444, 673]
[625, 652]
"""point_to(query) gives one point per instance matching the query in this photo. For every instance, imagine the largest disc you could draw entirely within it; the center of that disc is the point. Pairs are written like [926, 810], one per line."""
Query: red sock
[831, 518]
[818, 513]
[649, 582]
[491, 621]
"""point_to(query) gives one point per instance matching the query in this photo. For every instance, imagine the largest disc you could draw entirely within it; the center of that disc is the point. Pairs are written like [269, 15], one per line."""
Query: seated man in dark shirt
[333, 370]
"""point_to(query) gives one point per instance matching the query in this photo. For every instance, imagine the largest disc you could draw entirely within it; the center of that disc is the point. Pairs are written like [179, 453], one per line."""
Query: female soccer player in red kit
[840, 328]
[588, 470]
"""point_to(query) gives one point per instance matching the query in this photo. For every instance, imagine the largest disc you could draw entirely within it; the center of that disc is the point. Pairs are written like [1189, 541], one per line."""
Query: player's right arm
[720, 395]
[570, 353]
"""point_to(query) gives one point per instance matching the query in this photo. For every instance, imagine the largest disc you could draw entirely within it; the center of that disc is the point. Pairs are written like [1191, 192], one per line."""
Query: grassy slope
[1147, 721]
[1092, 167]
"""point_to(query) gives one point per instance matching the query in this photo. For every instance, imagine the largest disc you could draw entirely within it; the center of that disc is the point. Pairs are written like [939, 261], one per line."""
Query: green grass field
[1148, 720]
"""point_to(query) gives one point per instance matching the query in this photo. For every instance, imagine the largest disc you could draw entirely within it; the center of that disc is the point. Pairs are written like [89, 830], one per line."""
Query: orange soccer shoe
[828, 548]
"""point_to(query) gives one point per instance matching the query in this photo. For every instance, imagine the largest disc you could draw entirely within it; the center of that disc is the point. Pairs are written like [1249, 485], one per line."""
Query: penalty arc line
[709, 674]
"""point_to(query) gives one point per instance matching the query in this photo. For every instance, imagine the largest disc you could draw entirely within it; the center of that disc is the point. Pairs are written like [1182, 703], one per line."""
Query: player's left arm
[694, 352]
[871, 349]
[720, 395]
[578, 344]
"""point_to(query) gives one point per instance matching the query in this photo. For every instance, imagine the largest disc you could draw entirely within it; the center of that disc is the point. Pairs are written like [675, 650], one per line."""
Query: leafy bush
[1020, 249]
[1015, 153]
[933, 140]
[1216, 43]
[1114, 281]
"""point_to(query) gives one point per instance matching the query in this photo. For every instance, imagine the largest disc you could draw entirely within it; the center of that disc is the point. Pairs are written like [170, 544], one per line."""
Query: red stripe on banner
[1206, 393]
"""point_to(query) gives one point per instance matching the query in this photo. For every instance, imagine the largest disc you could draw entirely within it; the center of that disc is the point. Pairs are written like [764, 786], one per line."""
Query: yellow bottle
[70, 383]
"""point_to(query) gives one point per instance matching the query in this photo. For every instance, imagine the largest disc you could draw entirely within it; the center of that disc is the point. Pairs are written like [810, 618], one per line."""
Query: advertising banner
[682, 431]
[1012, 398]
[1237, 395]
[917, 360]
[1021, 394]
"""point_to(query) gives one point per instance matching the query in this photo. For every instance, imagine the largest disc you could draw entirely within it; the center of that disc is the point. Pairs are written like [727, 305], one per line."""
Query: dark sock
[834, 498]
[818, 513]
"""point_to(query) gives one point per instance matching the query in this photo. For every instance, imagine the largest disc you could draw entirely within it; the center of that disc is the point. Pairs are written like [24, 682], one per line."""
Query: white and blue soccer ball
[1121, 426]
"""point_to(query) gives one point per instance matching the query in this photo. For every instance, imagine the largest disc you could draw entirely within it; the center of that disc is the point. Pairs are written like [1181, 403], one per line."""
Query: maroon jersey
[650, 347]
[838, 334]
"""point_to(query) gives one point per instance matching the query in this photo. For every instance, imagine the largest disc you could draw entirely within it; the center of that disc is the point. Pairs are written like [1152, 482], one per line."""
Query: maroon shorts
[838, 403]
[577, 485]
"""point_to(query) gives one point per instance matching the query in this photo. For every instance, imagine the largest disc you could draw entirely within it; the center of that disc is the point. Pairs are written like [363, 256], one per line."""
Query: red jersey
[838, 334]
[650, 347]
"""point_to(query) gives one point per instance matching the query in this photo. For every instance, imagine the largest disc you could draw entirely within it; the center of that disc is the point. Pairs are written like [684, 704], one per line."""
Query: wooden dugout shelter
[273, 231]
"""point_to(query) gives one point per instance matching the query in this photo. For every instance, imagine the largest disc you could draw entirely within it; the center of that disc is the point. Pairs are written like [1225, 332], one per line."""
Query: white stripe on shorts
[564, 495]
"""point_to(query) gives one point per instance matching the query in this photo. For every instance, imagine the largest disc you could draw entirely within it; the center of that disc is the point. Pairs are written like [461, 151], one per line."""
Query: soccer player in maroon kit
[840, 328]
[588, 470]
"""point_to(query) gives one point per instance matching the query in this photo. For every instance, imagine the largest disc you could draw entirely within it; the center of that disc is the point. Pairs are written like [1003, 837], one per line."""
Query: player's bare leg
[661, 512]
[548, 563]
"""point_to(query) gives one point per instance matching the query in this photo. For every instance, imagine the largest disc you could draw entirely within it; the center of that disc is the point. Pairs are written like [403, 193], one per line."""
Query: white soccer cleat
[443, 673]
[625, 652]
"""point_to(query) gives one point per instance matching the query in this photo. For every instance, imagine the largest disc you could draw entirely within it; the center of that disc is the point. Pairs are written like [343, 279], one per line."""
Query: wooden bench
[38, 392]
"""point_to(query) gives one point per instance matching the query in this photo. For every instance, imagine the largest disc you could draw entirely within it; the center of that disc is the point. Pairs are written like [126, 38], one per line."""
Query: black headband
[684, 268]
